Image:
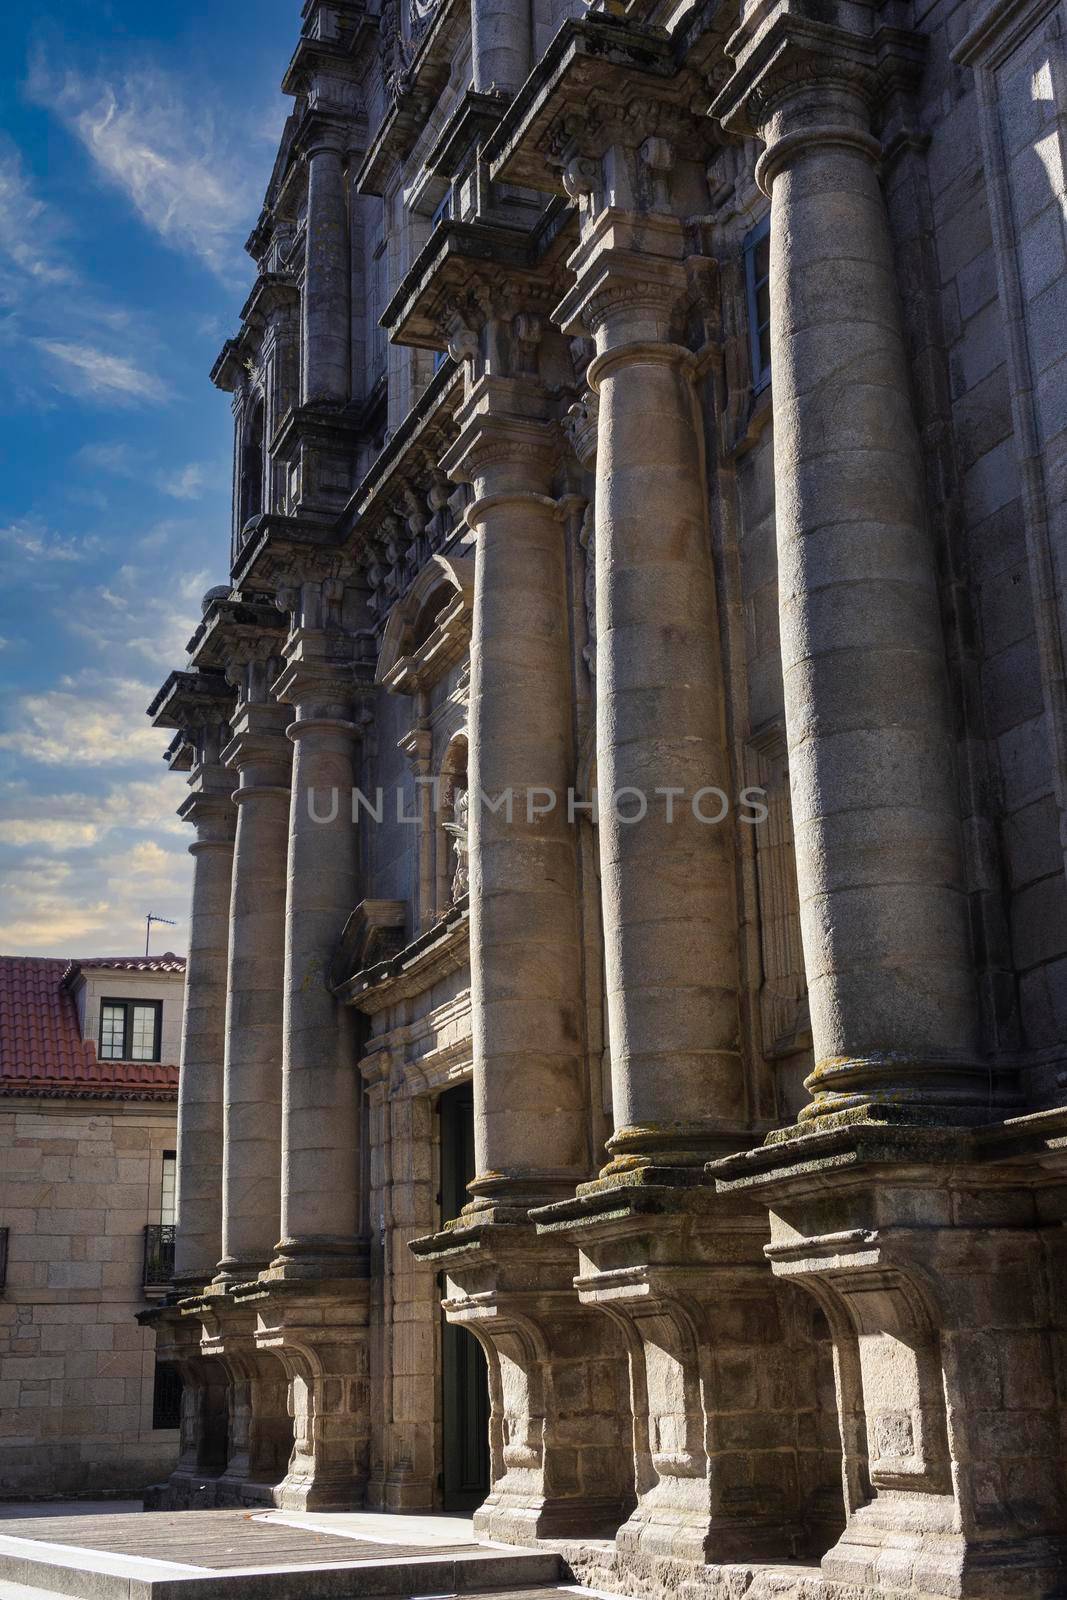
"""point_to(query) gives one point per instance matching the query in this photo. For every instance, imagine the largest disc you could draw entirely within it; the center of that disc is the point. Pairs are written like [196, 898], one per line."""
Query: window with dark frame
[131, 1030]
[757, 256]
[166, 1396]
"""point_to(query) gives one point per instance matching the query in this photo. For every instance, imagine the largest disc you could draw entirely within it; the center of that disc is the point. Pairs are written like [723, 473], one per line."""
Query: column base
[314, 1259]
[896, 1089]
[938, 1257]
[735, 1448]
[559, 1427]
[318, 1331]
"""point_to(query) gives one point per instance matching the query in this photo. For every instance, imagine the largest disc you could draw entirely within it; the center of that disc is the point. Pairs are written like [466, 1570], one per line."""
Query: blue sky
[135, 146]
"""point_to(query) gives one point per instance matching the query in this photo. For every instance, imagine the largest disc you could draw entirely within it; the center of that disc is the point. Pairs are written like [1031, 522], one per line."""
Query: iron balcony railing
[158, 1255]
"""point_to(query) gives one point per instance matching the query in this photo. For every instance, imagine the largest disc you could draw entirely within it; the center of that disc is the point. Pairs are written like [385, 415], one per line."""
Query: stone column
[667, 872]
[260, 754]
[501, 44]
[557, 1373]
[531, 1139]
[320, 1204]
[325, 322]
[198, 1231]
[869, 723]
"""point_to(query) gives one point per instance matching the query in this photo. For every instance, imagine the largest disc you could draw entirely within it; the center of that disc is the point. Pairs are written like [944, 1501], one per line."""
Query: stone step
[95, 1574]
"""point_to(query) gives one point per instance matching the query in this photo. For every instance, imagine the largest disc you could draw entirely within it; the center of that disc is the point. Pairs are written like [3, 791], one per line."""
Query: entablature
[232, 624]
[443, 949]
[465, 259]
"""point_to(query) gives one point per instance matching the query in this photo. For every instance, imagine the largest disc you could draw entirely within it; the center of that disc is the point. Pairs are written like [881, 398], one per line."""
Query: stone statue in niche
[458, 829]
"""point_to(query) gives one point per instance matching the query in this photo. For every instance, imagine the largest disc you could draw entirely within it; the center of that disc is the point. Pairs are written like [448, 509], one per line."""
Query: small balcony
[158, 1255]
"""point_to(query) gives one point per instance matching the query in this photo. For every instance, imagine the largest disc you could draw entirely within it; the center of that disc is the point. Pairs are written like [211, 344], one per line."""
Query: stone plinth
[319, 1334]
[731, 1379]
[932, 1257]
[559, 1428]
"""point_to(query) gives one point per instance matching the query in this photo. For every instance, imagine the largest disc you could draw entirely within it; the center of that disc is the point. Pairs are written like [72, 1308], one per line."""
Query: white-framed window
[130, 1030]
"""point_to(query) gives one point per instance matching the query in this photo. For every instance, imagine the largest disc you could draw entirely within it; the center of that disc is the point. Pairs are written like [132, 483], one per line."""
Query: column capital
[259, 751]
[322, 686]
[625, 296]
[508, 442]
[800, 81]
[212, 813]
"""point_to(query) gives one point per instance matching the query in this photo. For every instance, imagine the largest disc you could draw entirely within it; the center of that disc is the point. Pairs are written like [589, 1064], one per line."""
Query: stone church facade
[628, 765]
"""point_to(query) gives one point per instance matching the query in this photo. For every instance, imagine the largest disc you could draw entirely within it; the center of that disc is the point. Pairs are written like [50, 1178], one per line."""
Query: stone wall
[79, 1181]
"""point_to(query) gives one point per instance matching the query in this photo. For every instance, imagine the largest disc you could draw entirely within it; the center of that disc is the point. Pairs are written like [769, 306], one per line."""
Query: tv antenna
[148, 921]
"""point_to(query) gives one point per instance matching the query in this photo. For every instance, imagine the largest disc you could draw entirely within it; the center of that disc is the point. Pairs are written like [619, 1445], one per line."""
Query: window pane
[166, 1199]
[144, 1034]
[112, 1032]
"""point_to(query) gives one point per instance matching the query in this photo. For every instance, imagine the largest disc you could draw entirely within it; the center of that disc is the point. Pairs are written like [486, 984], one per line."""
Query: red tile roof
[42, 1051]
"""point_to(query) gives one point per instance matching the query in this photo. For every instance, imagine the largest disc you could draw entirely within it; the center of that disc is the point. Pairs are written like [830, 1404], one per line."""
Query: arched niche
[428, 630]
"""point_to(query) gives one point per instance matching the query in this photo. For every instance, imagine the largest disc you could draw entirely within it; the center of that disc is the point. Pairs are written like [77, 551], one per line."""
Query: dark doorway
[464, 1379]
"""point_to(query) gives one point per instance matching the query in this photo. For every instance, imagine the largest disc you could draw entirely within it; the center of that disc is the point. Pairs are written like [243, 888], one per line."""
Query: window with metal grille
[167, 1396]
[757, 254]
[130, 1030]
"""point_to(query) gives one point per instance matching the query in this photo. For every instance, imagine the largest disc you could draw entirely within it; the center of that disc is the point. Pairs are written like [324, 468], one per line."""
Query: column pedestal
[559, 1426]
[731, 1384]
[931, 1257]
[321, 1340]
[260, 1438]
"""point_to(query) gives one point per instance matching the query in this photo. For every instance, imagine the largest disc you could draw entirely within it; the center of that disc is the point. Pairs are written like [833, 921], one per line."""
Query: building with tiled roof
[88, 1088]
[43, 1010]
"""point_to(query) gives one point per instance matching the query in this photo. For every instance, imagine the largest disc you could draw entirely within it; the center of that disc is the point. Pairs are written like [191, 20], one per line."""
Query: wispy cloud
[122, 461]
[184, 169]
[31, 232]
[28, 540]
[83, 370]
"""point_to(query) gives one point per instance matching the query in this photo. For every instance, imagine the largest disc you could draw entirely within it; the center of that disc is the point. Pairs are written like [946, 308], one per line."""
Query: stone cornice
[440, 951]
[233, 625]
[464, 272]
[421, 438]
[189, 698]
[337, 56]
[474, 117]
[283, 546]
[596, 59]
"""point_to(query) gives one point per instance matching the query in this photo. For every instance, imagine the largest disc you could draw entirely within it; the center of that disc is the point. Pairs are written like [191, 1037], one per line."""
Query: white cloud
[188, 484]
[29, 541]
[81, 869]
[119, 459]
[186, 173]
[84, 370]
[30, 231]
[94, 719]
